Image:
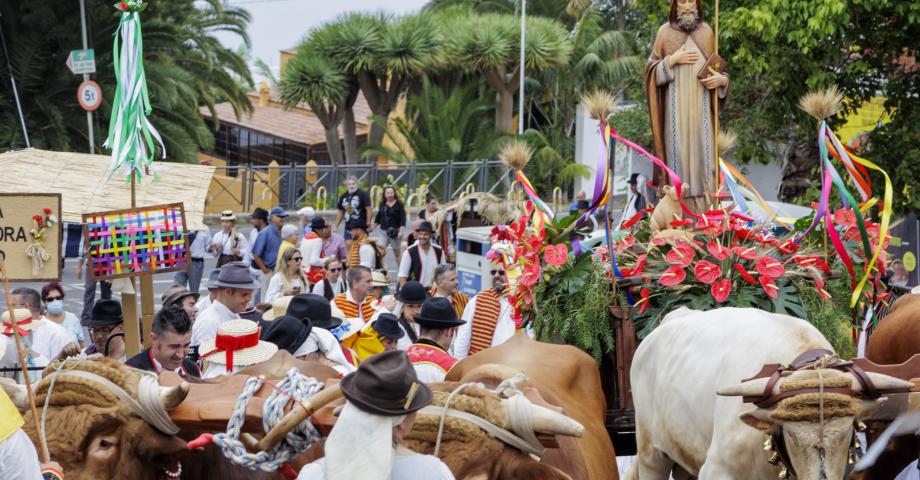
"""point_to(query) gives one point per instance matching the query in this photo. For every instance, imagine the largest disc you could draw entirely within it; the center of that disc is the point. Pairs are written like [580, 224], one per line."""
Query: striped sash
[457, 299]
[350, 309]
[354, 255]
[485, 317]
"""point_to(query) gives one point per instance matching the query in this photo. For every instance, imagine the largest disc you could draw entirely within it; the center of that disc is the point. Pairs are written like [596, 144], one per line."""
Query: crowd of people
[306, 290]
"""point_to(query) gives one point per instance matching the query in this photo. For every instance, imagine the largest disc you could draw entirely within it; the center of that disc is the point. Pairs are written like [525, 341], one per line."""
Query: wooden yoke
[209, 406]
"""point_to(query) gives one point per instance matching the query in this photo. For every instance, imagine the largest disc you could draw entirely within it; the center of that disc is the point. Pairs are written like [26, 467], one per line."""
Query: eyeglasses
[103, 331]
[51, 299]
[297, 259]
[339, 269]
[496, 272]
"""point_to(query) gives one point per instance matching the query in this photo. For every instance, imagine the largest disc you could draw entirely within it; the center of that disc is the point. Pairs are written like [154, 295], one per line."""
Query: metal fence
[291, 186]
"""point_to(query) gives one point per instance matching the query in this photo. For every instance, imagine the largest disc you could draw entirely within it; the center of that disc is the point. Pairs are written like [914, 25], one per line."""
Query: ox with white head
[811, 433]
[681, 422]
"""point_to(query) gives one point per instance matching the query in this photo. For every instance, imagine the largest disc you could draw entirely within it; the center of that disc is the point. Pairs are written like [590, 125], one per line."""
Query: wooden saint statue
[681, 76]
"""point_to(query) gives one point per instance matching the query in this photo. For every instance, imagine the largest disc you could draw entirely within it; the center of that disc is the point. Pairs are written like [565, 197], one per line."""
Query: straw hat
[23, 321]
[279, 308]
[378, 279]
[227, 215]
[237, 345]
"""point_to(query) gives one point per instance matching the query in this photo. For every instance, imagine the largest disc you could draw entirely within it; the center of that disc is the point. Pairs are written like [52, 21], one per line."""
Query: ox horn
[884, 383]
[173, 396]
[549, 422]
[750, 388]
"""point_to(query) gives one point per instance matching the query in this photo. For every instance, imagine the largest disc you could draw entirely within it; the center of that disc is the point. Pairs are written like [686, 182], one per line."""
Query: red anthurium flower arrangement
[674, 275]
[706, 271]
[769, 286]
[556, 255]
[717, 250]
[682, 254]
[744, 274]
[769, 267]
[721, 289]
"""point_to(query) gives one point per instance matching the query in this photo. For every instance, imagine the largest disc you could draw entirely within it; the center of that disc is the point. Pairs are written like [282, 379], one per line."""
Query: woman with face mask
[53, 298]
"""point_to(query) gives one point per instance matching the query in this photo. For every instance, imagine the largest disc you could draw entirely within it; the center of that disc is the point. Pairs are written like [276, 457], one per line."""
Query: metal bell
[774, 459]
[784, 473]
[851, 458]
[860, 426]
[856, 444]
[768, 444]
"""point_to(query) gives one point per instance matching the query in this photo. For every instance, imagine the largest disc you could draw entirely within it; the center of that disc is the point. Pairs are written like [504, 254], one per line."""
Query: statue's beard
[688, 20]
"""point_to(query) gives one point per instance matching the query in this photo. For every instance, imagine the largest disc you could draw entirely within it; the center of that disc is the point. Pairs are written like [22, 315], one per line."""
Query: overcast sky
[281, 24]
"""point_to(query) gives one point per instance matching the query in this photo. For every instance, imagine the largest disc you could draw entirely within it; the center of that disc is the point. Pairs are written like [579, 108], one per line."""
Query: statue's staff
[22, 358]
[715, 104]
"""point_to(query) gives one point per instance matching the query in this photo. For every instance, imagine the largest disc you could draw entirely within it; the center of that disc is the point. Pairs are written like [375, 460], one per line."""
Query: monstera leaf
[787, 301]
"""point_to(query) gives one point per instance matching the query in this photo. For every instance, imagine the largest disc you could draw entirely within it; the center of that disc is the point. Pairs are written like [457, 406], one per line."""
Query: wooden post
[146, 308]
[22, 359]
[129, 302]
[715, 111]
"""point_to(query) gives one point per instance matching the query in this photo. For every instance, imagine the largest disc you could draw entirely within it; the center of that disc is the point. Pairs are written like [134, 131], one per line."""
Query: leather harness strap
[806, 360]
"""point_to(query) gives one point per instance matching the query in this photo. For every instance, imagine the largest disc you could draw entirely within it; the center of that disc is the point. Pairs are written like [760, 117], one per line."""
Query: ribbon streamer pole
[22, 359]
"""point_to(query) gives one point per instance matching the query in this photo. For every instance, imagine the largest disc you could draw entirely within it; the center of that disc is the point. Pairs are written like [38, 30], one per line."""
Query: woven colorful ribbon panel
[124, 243]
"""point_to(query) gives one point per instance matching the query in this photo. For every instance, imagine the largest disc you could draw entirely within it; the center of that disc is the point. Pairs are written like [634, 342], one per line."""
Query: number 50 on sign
[89, 95]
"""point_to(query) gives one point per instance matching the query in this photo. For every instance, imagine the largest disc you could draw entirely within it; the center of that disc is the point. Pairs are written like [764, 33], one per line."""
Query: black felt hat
[438, 312]
[315, 308]
[318, 223]
[388, 326]
[287, 332]
[386, 384]
[412, 293]
[633, 179]
[105, 312]
[426, 226]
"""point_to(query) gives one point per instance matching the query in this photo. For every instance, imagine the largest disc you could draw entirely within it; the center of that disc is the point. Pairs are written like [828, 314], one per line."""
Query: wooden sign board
[18, 232]
[127, 243]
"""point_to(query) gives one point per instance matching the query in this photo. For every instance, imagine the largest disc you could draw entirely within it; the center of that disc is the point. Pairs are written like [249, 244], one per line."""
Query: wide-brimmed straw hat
[378, 279]
[279, 308]
[227, 215]
[235, 275]
[23, 321]
[237, 345]
[386, 384]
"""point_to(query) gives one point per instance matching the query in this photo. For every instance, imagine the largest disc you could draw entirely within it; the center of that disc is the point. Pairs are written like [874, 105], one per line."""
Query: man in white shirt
[421, 258]
[229, 244]
[49, 339]
[197, 250]
[363, 250]
[235, 285]
[205, 301]
[488, 315]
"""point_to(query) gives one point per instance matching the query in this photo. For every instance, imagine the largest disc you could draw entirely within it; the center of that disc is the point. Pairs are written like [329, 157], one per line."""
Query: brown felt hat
[386, 384]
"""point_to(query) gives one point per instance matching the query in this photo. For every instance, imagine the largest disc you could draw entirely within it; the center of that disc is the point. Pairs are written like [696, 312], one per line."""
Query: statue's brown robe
[681, 114]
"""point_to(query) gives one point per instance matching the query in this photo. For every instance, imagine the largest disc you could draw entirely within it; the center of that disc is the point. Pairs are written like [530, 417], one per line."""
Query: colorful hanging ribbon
[732, 175]
[131, 135]
[542, 212]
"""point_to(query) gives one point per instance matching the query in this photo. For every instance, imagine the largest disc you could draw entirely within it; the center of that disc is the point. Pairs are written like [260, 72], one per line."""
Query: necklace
[177, 473]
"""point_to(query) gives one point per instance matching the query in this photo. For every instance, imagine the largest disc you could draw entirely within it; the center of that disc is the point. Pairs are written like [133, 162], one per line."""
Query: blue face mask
[55, 307]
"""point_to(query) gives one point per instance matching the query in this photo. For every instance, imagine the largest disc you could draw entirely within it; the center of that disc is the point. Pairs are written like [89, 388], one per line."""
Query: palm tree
[438, 127]
[490, 45]
[385, 55]
[185, 64]
[314, 79]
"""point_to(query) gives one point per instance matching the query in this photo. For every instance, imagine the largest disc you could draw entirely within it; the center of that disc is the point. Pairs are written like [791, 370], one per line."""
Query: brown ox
[95, 436]
[564, 376]
[895, 340]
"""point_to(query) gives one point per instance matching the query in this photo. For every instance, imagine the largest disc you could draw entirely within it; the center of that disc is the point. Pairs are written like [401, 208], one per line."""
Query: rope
[520, 417]
[295, 386]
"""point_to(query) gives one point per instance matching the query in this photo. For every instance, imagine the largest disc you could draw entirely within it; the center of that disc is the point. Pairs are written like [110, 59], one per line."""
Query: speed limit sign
[89, 95]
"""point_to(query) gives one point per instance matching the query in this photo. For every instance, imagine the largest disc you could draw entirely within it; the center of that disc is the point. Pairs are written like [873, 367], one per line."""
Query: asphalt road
[74, 288]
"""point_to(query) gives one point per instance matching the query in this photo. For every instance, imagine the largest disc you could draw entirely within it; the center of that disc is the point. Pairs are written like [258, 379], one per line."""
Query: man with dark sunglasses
[488, 318]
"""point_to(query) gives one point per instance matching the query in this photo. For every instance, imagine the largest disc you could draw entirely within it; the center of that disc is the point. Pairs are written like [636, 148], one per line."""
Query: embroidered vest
[485, 317]
[457, 299]
[415, 261]
[429, 354]
[327, 289]
[350, 309]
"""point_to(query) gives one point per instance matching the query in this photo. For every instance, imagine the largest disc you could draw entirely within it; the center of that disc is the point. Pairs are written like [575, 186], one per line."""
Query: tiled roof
[298, 124]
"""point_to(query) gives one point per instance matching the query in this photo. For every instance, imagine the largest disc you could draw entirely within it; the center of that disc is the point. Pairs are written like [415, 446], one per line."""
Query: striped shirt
[350, 308]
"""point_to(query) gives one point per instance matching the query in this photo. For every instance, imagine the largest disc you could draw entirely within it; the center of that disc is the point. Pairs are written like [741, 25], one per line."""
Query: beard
[688, 20]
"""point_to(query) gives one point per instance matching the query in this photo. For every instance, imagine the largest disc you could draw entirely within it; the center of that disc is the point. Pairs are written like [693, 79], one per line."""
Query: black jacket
[142, 361]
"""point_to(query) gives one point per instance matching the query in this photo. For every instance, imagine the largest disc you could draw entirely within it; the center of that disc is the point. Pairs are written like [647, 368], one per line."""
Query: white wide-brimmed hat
[23, 321]
[237, 345]
[378, 279]
[279, 308]
[227, 215]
